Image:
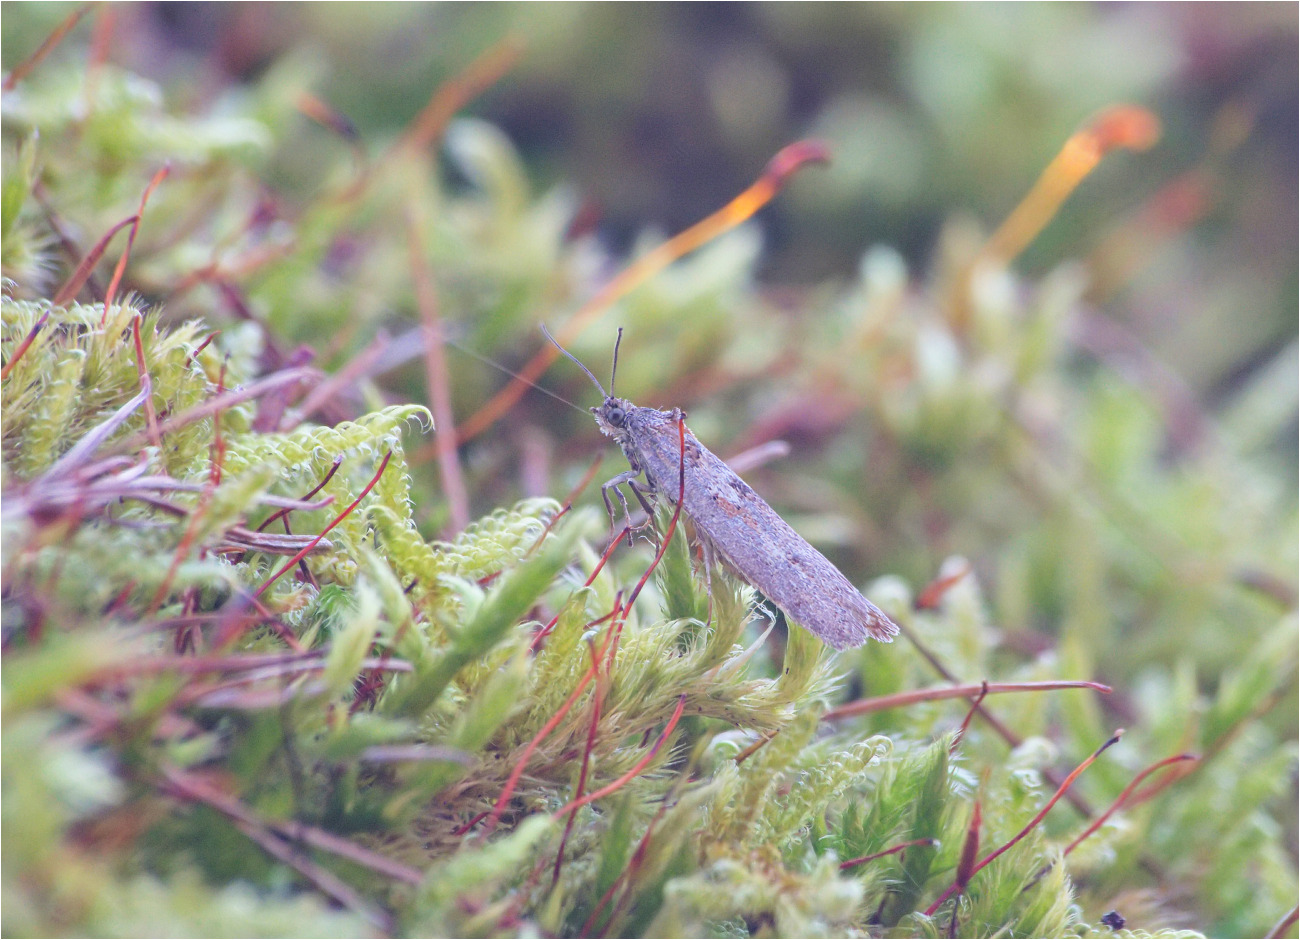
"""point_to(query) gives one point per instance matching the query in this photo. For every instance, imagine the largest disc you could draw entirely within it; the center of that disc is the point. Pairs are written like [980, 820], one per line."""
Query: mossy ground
[400, 733]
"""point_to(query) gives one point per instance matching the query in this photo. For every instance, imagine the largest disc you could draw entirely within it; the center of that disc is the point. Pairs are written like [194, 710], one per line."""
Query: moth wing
[747, 534]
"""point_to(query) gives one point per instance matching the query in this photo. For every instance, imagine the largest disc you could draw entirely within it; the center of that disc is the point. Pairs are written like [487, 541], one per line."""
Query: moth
[733, 523]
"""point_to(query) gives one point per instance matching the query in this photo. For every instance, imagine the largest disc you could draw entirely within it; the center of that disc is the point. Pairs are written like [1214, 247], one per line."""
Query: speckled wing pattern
[746, 533]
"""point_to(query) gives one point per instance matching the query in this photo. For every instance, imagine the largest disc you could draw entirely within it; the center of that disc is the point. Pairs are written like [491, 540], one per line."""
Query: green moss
[191, 747]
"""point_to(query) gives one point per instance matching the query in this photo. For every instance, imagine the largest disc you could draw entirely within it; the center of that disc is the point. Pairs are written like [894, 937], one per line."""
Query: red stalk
[24, 345]
[146, 384]
[640, 765]
[620, 612]
[959, 884]
[82, 272]
[970, 713]
[550, 626]
[596, 702]
[1127, 793]
[900, 699]
[24, 68]
[1042, 813]
[933, 593]
[341, 516]
[893, 850]
[513, 780]
[130, 241]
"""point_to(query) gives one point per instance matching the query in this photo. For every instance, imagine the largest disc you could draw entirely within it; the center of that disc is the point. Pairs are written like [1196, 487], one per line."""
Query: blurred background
[1106, 427]
[655, 114]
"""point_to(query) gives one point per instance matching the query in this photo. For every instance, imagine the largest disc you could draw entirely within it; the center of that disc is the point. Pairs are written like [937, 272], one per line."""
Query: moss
[204, 734]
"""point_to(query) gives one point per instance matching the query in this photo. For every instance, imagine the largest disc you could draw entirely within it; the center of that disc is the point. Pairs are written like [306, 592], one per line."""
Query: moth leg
[628, 477]
[646, 498]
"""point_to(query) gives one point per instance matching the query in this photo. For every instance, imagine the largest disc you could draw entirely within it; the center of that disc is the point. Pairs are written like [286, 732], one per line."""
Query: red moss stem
[960, 882]
[640, 765]
[892, 850]
[341, 516]
[970, 713]
[1126, 795]
[494, 816]
[23, 68]
[25, 344]
[130, 241]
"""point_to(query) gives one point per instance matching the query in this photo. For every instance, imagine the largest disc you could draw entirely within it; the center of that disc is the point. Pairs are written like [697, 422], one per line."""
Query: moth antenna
[613, 370]
[487, 361]
[594, 381]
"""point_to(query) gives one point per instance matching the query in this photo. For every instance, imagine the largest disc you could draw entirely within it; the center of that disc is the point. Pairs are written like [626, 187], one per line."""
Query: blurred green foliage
[184, 756]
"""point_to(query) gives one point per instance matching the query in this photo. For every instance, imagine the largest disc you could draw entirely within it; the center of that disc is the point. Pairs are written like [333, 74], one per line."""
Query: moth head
[611, 416]
[614, 411]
